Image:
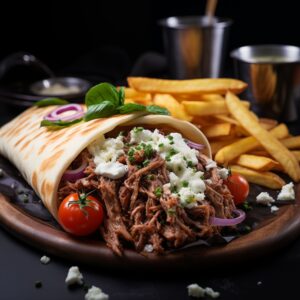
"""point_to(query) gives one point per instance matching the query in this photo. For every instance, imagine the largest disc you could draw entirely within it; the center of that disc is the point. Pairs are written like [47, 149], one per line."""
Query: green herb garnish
[160, 145]
[50, 101]
[59, 124]
[171, 211]
[185, 183]
[190, 164]
[146, 162]
[150, 177]
[137, 129]
[158, 192]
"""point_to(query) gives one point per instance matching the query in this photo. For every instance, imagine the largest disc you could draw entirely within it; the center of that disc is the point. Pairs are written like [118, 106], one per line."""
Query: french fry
[267, 179]
[176, 109]
[140, 97]
[267, 140]
[292, 142]
[219, 144]
[296, 154]
[197, 108]
[191, 86]
[244, 145]
[204, 97]
[217, 130]
[227, 119]
[268, 123]
[255, 162]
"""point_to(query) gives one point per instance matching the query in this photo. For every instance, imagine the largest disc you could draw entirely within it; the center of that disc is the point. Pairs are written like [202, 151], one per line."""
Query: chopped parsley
[171, 211]
[185, 183]
[148, 150]
[146, 162]
[160, 145]
[150, 177]
[171, 152]
[137, 129]
[190, 164]
[158, 192]
[190, 199]
[170, 137]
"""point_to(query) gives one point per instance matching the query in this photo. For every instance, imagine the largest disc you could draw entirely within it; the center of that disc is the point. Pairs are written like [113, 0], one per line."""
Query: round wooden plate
[272, 234]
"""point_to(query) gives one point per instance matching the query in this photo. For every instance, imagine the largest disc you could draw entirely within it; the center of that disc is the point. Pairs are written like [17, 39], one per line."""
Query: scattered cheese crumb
[74, 276]
[223, 173]
[287, 192]
[196, 291]
[94, 293]
[45, 260]
[264, 198]
[148, 248]
[211, 293]
[274, 208]
[210, 164]
[259, 283]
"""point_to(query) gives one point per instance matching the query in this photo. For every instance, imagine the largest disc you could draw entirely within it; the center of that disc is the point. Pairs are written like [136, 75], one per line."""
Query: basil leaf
[59, 124]
[102, 92]
[50, 101]
[102, 110]
[121, 95]
[130, 108]
[154, 109]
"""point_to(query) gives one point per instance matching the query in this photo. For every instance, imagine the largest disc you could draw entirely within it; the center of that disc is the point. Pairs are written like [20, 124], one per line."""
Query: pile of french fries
[257, 148]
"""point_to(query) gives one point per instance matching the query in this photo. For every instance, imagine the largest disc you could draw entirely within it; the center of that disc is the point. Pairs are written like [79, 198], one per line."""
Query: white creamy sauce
[59, 89]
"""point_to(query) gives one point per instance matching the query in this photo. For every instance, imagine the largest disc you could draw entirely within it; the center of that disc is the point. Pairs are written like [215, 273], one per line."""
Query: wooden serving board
[273, 233]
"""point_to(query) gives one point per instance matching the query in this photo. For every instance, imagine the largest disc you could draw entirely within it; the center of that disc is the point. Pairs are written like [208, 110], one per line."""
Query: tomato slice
[238, 186]
[80, 214]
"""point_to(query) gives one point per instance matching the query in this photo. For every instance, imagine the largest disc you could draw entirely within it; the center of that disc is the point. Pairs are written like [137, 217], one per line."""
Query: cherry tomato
[80, 214]
[238, 186]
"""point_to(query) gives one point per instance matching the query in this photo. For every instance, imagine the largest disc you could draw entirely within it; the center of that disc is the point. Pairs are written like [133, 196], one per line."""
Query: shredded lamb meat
[135, 215]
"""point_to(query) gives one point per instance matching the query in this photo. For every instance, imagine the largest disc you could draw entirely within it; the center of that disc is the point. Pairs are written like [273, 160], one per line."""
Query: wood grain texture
[271, 235]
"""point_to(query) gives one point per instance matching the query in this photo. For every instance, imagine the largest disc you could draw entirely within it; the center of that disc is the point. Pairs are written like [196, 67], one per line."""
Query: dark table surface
[20, 268]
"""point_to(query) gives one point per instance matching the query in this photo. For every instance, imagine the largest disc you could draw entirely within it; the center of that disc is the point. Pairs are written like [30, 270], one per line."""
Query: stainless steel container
[195, 46]
[273, 75]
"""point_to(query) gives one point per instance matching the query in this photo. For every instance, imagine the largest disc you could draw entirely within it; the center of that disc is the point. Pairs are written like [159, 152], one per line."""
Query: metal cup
[195, 46]
[273, 74]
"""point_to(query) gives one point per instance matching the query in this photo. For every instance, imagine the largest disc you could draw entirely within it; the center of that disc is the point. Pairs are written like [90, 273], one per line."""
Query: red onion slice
[55, 115]
[73, 175]
[229, 222]
[194, 145]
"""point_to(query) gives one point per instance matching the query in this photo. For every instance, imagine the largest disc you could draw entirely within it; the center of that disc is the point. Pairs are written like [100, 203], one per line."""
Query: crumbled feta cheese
[208, 181]
[223, 173]
[274, 208]
[287, 192]
[74, 276]
[45, 260]
[264, 198]
[210, 164]
[259, 283]
[181, 161]
[148, 248]
[113, 170]
[195, 290]
[211, 293]
[106, 152]
[94, 293]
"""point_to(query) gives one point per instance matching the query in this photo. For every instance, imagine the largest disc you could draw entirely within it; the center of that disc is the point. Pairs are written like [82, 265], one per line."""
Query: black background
[61, 32]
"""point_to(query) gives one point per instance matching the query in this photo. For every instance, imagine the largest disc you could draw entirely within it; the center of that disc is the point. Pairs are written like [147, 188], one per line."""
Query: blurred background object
[109, 40]
[195, 46]
[271, 72]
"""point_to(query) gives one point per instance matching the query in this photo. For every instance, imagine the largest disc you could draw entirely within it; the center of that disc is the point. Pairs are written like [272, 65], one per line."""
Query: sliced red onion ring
[229, 222]
[73, 175]
[195, 145]
[55, 114]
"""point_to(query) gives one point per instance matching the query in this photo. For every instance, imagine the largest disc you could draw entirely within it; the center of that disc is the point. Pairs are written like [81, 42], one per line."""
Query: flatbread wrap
[154, 175]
